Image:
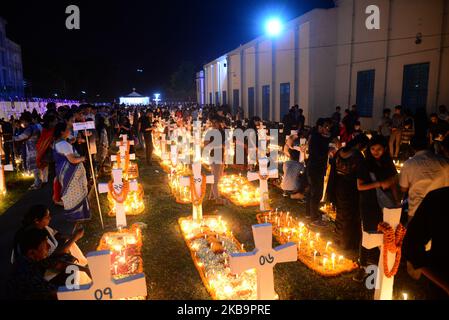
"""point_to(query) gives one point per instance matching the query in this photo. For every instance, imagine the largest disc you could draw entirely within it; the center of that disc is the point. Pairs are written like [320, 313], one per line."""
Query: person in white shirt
[423, 173]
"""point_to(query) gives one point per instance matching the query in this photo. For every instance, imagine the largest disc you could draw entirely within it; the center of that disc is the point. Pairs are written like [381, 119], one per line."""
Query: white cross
[120, 214]
[122, 154]
[384, 285]
[103, 286]
[3, 168]
[124, 141]
[164, 143]
[197, 138]
[174, 157]
[263, 259]
[197, 211]
[263, 175]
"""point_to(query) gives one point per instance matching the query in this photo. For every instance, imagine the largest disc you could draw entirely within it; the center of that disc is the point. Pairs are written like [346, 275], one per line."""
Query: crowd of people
[335, 161]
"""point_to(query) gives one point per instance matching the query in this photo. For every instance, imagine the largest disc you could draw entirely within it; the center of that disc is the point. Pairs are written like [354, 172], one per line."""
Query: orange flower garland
[393, 244]
[197, 199]
[121, 197]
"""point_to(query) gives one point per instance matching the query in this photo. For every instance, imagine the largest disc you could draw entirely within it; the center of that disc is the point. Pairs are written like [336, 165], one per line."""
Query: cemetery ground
[168, 266]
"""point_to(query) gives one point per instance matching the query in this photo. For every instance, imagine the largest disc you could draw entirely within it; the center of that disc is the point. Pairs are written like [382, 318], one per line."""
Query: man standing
[385, 124]
[146, 128]
[397, 122]
[320, 139]
[422, 174]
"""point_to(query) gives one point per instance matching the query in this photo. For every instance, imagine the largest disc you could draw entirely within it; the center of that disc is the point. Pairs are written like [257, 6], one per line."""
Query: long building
[11, 71]
[328, 57]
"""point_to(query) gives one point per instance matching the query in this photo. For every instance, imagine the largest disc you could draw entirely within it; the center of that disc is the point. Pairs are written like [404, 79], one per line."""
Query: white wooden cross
[164, 143]
[197, 211]
[3, 168]
[263, 259]
[120, 214]
[174, 157]
[103, 286]
[122, 154]
[124, 141]
[384, 285]
[263, 175]
[197, 139]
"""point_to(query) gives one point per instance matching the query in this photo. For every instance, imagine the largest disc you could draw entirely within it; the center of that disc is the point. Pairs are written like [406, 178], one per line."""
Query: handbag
[384, 198]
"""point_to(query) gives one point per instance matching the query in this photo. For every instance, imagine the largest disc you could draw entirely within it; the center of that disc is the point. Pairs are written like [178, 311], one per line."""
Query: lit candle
[317, 236]
[311, 243]
[405, 296]
[340, 259]
[333, 260]
[327, 245]
[324, 262]
[314, 255]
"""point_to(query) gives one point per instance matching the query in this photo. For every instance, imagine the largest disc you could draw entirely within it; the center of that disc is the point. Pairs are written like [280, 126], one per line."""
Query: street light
[273, 27]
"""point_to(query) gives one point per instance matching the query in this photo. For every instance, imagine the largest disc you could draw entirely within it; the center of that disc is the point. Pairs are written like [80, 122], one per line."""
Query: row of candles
[317, 253]
[125, 246]
[134, 203]
[239, 190]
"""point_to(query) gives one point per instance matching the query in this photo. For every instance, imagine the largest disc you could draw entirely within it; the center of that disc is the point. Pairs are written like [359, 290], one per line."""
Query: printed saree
[74, 191]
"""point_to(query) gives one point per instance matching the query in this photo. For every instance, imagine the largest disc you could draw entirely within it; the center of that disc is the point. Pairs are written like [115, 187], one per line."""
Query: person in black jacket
[319, 142]
[430, 223]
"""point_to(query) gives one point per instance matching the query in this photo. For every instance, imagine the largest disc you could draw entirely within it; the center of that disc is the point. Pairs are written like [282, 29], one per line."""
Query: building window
[365, 93]
[415, 86]
[235, 99]
[217, 98]
[225, 98]
[251, 109]
[285, 98]
[266, 102]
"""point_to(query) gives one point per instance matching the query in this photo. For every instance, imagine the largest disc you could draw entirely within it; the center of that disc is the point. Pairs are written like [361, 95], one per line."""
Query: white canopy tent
[135, 99]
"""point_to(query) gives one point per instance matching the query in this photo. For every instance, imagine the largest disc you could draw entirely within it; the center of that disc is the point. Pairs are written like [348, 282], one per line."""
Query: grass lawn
[170, 270]
[16, 187]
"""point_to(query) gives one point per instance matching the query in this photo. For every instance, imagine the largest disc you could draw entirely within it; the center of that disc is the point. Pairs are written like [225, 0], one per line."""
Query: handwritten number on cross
[99, 293]
[263, 260]
[199, 180]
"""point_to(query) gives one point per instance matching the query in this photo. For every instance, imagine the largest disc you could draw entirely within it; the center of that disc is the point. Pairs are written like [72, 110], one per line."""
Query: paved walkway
[11, 221]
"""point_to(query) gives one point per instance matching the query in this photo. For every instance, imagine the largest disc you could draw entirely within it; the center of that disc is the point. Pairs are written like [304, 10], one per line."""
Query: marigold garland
[393, 244]
[197, 199]
[121, 197]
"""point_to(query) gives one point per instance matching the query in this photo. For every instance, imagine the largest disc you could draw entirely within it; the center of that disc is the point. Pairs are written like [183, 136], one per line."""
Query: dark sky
[119, 37]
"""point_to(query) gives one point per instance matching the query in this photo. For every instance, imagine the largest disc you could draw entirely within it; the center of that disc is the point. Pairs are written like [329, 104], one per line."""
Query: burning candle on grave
[324, 263]
[405, 296]
[317, 237]
[333, 260]
[340, 259]
[327, 245]
[115, 268]
[314, 255]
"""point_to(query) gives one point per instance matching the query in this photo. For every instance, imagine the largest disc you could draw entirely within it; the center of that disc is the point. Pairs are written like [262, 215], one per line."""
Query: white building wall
[250, 73]
[333, 48]
[265, 74]
[285, 69]
[235, 74]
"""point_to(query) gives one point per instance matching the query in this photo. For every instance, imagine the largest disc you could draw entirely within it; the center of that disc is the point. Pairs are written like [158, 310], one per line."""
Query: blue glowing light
[273, 27]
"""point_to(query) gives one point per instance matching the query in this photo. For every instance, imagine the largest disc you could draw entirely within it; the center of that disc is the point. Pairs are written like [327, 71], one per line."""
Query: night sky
[119, 37]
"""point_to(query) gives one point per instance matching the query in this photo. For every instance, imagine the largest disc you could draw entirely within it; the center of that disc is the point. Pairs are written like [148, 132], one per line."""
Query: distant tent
[135, 98]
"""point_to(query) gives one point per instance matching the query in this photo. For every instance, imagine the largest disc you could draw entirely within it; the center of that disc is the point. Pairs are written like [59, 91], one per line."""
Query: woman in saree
[44, 144]
[71, 176]
[29, 137]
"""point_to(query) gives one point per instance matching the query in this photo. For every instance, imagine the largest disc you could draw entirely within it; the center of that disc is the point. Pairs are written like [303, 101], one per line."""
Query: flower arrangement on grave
[210, 244]
[125, 247]
[315, 252]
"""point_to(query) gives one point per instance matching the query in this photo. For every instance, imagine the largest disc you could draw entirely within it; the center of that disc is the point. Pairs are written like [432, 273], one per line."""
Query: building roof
[134, 94]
